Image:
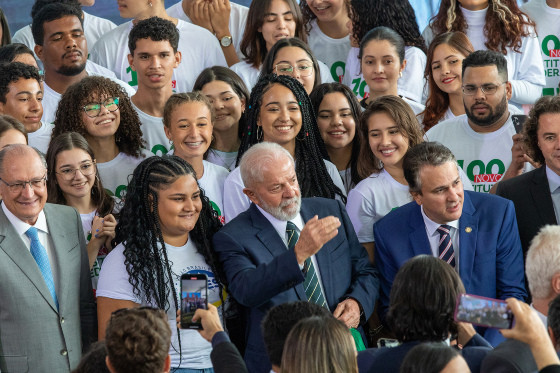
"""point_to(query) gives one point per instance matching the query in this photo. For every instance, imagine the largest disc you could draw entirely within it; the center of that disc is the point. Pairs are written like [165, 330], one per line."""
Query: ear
[555, 283]
[167, 132]
[251, 195]
[508, 90]
[1, 108]
[178, 57]
[38, 51]
[167, 364]
[243, 104]
[403, 66]
[417, 197]
[131, 61]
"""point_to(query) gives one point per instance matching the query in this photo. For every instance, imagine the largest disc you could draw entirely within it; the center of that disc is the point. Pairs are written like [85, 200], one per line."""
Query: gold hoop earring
[259, 135]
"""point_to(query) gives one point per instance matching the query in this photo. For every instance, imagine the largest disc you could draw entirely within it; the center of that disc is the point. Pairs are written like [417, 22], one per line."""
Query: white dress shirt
[554, 184]
[434, 236]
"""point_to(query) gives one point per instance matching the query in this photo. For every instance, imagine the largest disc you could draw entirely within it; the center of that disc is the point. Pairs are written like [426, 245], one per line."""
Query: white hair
[543, 260]
[257, 157]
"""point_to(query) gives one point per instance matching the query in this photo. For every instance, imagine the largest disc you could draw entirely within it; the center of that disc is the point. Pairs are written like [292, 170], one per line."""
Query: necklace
[224, 160]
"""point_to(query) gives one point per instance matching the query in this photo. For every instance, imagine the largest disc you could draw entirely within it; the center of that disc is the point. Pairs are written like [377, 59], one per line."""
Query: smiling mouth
[103, 122]
[447, 80]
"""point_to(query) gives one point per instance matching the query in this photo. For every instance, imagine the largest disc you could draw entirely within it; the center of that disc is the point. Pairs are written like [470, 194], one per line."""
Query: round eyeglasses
[304, 69]
[93, 109]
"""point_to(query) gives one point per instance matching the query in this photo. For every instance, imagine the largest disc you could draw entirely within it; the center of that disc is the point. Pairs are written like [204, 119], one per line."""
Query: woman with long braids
[497, 25]
[280, 111]
[165, 230]
[100, 110]
[444, 75]
[398, 16]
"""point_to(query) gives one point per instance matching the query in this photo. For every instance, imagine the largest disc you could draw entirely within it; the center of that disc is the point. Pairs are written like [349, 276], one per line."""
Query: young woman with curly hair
[443, 73]
[497, 25]
[165, 230]
[329, 37]
[280, 111]
[398, 16]
[100, 110]
[73, 180]
[267, 22]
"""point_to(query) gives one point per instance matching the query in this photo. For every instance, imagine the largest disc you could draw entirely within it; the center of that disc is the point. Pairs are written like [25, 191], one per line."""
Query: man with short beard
[61, 45]
[284, 248]
[484, 140]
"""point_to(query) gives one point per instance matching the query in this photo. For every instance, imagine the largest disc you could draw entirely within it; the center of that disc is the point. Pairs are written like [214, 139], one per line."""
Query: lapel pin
[468, 229]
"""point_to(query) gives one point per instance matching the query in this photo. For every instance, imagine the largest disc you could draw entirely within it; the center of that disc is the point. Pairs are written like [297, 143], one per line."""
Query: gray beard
[279, 213]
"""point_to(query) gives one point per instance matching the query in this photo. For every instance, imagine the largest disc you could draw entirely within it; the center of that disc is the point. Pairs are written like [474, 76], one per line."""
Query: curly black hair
[156, 29]
[70, 109]
[52, 12]
[544, 105]
[12, 72]
[140, 231]
[40, 4]
[313, 177]
[397, 15]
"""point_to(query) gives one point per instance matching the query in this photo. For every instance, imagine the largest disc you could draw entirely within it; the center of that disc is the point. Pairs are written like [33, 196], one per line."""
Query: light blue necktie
[40, 255]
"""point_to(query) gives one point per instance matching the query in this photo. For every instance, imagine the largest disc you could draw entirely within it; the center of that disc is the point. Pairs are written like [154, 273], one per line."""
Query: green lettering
[159, 148]
[495, 162]
[460, 162]
[336, 73]
[216, 208]
[356, 85]
[120, 191]
[470, 169]
[362, 89]
[544, 45]
[133, 75]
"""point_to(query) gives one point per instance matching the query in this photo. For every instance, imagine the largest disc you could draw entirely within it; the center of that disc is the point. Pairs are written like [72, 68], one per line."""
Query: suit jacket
[34, 335]
[531, 197]
[226, 358]
[389, 359]
[512, 356]
[263, 273]
[490, 256]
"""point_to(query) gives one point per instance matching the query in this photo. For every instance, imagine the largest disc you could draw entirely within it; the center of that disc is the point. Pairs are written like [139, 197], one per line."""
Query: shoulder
[115, 36]
[216, 171]
[320, 204]
[59, 210]
[442, 129]
[487, 203]
[518, 183]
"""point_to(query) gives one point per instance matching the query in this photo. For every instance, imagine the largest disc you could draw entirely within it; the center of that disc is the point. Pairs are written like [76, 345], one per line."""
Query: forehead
[442, 175]
[148, 45]
[549, 122]
[185, 184]
[190, 110]
[278, 6]
[22, 166]
[278, 170]
[278, 92]
[444, 50]
[481, 75]
[291, 54]
[22, 84]
[380, 48]
[64, 24]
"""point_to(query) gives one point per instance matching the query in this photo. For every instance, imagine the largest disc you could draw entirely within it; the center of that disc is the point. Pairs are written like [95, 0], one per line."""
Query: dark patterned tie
[311, 282]
[446, 252]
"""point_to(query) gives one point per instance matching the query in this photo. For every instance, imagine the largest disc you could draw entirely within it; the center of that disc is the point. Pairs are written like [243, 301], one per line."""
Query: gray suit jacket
[34, 335]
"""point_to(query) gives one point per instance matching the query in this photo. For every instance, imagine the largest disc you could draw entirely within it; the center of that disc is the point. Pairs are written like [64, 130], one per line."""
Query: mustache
[73, 51]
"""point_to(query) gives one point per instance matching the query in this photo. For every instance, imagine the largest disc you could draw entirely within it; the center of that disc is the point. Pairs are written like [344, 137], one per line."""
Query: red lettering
[554, 52]
[487, 178]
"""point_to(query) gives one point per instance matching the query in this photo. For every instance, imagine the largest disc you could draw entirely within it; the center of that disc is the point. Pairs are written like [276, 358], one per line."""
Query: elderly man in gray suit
[47, 310]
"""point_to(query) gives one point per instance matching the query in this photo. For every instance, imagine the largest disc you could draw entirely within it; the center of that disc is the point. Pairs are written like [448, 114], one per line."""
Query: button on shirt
[43, 233]
[434, 236]
[280, 227]
[554, 184]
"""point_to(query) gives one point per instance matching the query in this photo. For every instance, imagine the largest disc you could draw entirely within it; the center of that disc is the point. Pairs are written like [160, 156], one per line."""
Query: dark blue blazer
[490, 255]
[263, 273]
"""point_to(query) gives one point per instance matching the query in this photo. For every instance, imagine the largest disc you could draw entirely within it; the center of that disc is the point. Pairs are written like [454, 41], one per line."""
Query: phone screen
[518, 122]
[483, 311]
[194, 295]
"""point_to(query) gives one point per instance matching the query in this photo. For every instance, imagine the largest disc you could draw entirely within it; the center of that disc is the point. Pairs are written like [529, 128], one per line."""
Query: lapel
[540, 192]
[14, 247]
[323, 257]
[468, 234]
[418, 239]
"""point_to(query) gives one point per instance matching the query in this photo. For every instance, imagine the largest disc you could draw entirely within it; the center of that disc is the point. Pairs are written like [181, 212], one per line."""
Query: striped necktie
[446, 252]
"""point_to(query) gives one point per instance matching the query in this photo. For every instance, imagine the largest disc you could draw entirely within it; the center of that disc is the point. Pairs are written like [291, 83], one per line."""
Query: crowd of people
[339, 176]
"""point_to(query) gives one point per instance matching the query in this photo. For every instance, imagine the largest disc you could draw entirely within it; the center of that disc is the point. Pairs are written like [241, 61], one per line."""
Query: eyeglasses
[93, 109]
[86, 169]
[487, 89]
[303, 68]
[35, 184]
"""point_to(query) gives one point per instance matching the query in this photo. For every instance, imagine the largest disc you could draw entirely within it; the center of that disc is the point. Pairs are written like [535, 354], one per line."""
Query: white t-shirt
[41, 138]
[237, 21]
[114, 284]
[332, 52]
[525, 69]
[224, 159]
[483, 156]
[94, 28]
[250, 75]
[152, 131]
[212, 181]
[235, 201]
[548, 29]
[199, 50]
[115, 174]
[410, 84]
[51, 98]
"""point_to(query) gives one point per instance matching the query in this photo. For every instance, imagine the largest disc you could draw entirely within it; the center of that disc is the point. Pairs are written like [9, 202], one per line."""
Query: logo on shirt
[483, 176]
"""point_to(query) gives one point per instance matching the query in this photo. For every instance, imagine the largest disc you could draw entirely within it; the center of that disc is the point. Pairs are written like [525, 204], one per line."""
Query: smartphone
[492, 313]
[194, 295]
[518, 122]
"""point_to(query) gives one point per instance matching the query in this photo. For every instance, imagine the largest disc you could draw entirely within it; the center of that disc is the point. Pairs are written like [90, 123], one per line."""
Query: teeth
[193, 144]
[105, 121]
[388, 151]
[338, 133]
[284, 128]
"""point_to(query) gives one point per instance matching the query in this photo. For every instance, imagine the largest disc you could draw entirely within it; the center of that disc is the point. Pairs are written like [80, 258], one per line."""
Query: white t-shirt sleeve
[235, 201]
[113, 278]
[361, 212]
[412, 82]
[326, 76]
[335, 176]
[528, 77]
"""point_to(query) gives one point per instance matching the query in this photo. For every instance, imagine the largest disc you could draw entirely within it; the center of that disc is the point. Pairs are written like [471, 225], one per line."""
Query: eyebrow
[63, 32]
[275, 14]
[278, 103]
[445, 58]
[81, 162]
[28, 92]
[387, 55]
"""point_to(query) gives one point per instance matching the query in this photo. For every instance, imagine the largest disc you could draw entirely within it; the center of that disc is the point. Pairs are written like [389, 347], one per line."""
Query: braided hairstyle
[310, 150]
[397, 15]
[139, 230]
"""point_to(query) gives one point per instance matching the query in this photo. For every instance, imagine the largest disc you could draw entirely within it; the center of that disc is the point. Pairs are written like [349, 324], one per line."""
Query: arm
[528, 77]
[518, 159]
[221, 10]
[361, 213]
[102, 233]
[105, 307]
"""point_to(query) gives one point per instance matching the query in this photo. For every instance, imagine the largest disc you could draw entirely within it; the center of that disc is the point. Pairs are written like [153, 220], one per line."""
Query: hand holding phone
[194, 295]
[482, 311]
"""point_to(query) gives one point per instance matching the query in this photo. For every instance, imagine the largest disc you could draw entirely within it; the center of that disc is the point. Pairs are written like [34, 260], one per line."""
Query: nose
[188, 205]
[479, 95]
[385, 139]
[336, 120]
[289, 191]
[281, 24]
[284, 115]
[155, 62]
[27, 190]
[35, 104]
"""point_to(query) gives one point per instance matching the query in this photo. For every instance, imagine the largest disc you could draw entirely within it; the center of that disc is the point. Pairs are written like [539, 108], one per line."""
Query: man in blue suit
[474, 232]
[264, 265]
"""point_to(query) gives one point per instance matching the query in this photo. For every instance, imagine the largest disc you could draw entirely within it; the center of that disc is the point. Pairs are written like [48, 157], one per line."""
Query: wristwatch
[226, 41]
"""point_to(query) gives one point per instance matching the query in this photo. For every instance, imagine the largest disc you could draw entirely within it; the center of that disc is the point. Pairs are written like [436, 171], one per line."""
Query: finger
[338, 310]
[531, 161]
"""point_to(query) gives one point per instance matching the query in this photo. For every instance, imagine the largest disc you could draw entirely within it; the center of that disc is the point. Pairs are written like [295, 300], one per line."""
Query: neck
[58, 82]
[156, 10]
[84, 205]
[491, 128]
[197, 165]
[176, 241]
[456, 104]
[396, 173]
[374, 95]
[341, 156]
[291, 147]
[226, 141]
[553, 3]
[105, 149]
[335, 28]
[541, 304]
[152, 101]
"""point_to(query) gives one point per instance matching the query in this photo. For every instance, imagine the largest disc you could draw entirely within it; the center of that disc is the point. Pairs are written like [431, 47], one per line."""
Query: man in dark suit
[47, 309]
[475, 233]
[266, 264]
[536, 194]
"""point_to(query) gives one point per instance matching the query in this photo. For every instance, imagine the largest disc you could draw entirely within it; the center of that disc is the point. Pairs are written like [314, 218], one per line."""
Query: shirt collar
[280, 225]
[21, 227]
[432, 226]
[553, 179]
